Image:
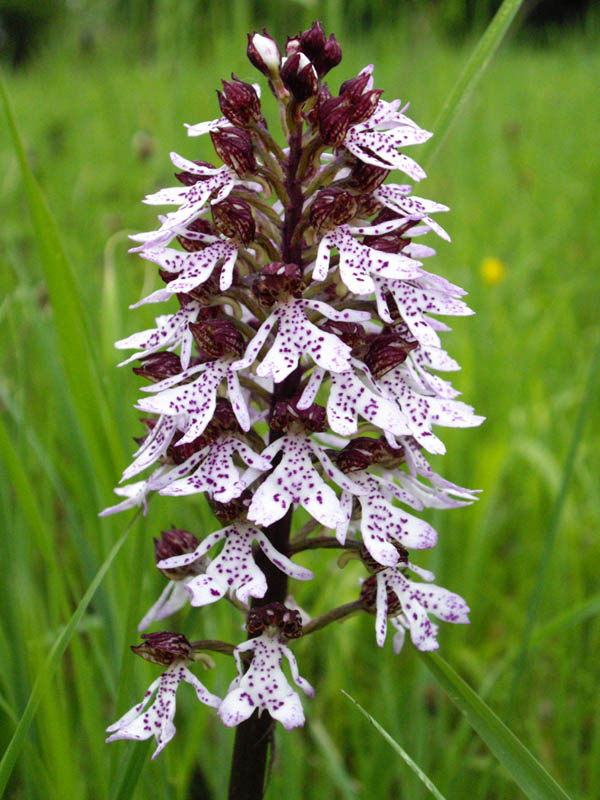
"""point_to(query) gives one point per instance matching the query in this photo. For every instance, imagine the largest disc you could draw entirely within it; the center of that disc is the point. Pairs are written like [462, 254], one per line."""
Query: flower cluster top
[299, 368]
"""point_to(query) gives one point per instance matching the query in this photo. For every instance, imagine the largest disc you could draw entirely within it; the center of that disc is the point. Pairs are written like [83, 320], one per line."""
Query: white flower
[382, 523]
[348, 397]
[416, 601]
[297, 336]
[171, 331]
[395, 197]
[234, 569]
[141, 722]
[217, 475]
[424, 411]
[264, 686]
[360, 264]
[193, 404]
[376, 141]
[295, 480]
[153, 447]
[193, 268]
[214, 184]
[414, 303]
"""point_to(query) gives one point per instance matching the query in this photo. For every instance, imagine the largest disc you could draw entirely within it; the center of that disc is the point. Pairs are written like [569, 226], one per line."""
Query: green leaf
[52, 661]
[522, 766]
[401, 752]
[472, 72]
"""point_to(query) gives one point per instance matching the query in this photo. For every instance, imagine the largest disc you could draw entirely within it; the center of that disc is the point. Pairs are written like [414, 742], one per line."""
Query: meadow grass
[519, 170]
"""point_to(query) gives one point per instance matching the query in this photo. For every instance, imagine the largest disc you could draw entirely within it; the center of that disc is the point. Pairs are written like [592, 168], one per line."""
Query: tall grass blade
[58, 648]
[552, 529]
[78, 352]
[400, 750]
[472, 72]
[521, 765]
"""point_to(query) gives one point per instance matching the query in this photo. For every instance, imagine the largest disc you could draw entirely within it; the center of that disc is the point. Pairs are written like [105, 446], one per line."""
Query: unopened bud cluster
[297, 366]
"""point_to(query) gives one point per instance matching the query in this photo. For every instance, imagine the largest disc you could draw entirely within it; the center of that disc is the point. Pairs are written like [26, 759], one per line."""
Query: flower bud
[286, 415]
[324, 53]
[239, 102]
[332, 207]
[263, 53]
[386, 351]
[217, 338]
[158, 366]
[234, 509]
[367, 177]
[335, 117]
[299, 76]
[234, 148]
[351, 333]
[363, 451]
[163, 648]
[292, 45]
[176, 542]
[274, 615]
[233, 218]
[277, 281]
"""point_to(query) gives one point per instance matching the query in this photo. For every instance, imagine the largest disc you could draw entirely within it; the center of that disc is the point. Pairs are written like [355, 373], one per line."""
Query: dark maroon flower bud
[351, 333]
[367, 177]
[330, 57]
[365, 106]
[299, 76]
[178, 454]
[176, 542]
[263, 53]
[286, 414]
[217, 338]
[239, 102]
[234, 148]
[234, 509]
[354, 87]
[363, 451]
[332, 207]
[274, 615]
[158, 366]
[277, 281]
[386, 351]
[292, 45]
[324, 53]
[366, 205]
[313, 41]
[164, 648]
[233, 218]
[189, 179]
[335, 117]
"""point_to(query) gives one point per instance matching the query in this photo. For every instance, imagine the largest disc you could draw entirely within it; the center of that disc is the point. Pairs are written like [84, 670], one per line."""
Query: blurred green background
[101, 91]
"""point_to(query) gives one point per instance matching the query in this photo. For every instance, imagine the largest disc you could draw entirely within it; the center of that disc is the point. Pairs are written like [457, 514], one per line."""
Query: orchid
[299, 372]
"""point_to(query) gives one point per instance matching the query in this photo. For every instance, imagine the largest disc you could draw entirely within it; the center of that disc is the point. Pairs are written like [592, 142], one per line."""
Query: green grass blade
[60, 645]
[550, 538]
[401, 752]
[78, 352]
[521, 765]
[125, 788]
[472, 72]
